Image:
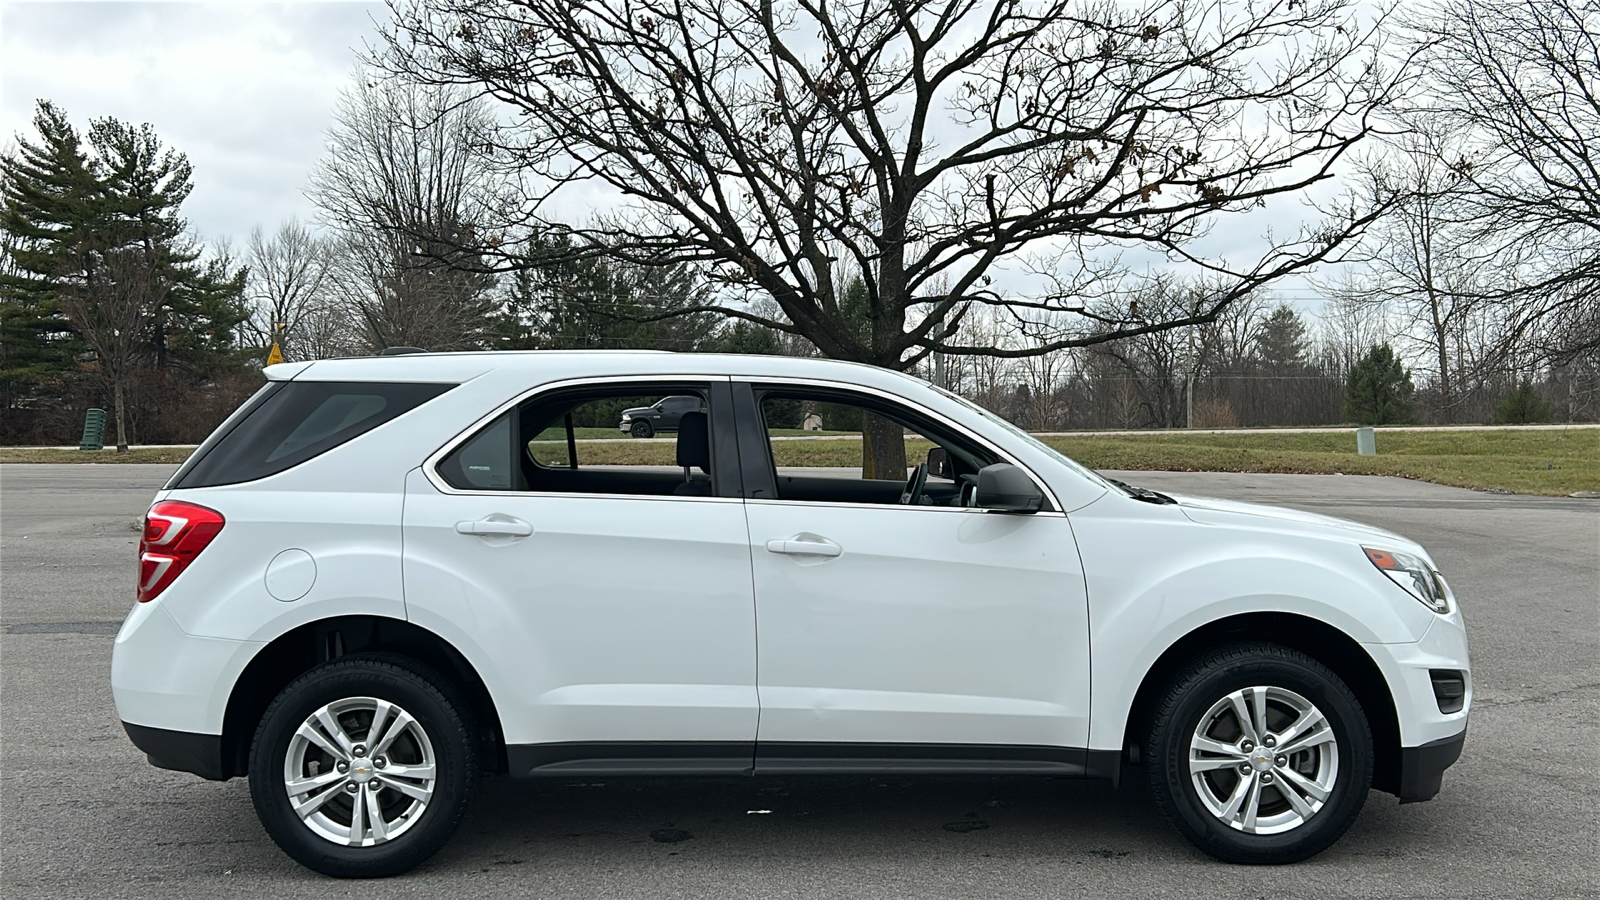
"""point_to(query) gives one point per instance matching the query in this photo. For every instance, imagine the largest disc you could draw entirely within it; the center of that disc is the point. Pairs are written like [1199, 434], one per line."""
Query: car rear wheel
[641, 429]
[362, 767]
[1260, 754]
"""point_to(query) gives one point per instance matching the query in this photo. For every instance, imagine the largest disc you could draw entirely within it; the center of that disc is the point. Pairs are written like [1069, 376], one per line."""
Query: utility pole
[1188, 415]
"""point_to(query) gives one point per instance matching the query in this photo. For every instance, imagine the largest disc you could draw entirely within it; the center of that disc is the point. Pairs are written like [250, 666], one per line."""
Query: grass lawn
[172, 455]
[1552, 462]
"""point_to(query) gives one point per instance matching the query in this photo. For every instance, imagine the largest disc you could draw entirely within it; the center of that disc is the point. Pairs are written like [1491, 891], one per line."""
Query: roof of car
[560, 364]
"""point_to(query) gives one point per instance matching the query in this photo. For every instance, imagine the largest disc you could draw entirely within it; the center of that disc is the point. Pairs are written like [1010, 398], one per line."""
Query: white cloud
[246, 90]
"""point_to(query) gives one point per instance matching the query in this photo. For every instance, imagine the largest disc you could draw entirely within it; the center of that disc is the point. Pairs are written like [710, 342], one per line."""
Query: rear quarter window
[299, 421]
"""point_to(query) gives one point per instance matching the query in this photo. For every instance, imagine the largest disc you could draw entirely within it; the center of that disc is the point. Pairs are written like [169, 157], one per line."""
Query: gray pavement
[82, 814]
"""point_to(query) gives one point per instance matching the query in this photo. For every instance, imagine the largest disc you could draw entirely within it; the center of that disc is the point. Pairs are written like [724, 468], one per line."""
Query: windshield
[1024, 436]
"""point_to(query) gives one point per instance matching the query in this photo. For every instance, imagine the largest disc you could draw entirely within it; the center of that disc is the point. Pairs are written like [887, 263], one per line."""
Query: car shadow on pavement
[514, 821]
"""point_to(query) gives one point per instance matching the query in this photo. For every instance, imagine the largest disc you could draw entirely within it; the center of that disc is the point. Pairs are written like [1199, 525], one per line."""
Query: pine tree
[601, 303]
[1281, 344]
[1522, 406]
[1379, 391]
[101, 251]
[42, 207]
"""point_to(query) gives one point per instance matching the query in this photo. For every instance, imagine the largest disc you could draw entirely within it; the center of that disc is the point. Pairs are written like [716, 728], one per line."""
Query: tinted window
[299, 421]
[680, 404]
[483, 463]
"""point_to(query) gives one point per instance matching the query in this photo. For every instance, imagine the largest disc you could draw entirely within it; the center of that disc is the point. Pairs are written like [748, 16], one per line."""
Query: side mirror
[939, 463]
[1006, 488]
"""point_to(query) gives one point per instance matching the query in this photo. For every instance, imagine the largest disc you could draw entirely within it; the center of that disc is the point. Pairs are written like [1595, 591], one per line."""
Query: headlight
[1414, 576]
[627, 417]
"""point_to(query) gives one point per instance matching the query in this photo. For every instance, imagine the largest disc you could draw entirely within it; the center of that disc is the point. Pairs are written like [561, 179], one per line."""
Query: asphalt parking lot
[83, 815]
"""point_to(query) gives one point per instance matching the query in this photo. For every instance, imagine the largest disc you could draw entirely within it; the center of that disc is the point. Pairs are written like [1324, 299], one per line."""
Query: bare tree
[288, 290]
[985, 379]
[916, 142]
[1518, 84]
[1044, 375]
[404, 188]
[1227, 345]
[1426, 263]
[113, 307]
[1157, 363]
[1353, 320]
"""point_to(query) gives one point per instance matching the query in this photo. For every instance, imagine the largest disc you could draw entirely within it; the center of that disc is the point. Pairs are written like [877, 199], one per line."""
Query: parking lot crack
[1540, 698]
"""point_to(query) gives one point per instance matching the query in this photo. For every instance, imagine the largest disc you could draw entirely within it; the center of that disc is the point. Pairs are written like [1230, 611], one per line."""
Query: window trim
[713, 382]
[756, 430]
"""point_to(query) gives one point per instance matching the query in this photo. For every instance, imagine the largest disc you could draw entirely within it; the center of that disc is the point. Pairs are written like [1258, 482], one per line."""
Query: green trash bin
[94, 430]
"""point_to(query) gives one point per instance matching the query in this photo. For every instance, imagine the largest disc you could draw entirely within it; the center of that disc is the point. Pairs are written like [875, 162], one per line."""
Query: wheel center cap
[361, 770]
[1261, 759]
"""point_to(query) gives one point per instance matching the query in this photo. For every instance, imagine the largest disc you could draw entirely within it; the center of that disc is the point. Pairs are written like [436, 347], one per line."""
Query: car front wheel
[642, 429]
[1260, 754]
[362, 767]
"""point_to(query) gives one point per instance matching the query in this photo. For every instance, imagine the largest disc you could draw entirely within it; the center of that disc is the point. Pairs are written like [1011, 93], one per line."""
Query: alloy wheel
[1263, 760]
[360, 771]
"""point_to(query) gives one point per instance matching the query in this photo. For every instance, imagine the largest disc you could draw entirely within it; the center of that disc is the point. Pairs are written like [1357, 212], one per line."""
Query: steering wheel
[912, 495]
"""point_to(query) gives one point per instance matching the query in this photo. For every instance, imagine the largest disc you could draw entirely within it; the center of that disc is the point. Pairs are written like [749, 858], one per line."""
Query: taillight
[174, 534]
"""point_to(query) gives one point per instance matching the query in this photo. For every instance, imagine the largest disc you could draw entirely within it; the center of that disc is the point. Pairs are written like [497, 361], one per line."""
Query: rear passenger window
[602, 439]
[298, 422]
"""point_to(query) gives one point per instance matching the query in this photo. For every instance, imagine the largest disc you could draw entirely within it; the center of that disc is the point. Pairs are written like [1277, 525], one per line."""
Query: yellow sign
[274, 356]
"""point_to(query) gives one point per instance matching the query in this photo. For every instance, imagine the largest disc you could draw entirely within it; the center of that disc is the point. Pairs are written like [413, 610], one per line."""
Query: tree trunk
[883, 448]
[1446, 388]
[120, 409]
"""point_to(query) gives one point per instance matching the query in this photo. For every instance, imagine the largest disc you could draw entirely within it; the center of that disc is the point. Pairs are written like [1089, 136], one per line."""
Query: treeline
[664, 186]
[1261, 363]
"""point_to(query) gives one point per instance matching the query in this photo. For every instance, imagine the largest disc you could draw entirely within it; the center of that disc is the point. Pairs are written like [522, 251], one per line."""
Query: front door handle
[506, 526]
[797, 547]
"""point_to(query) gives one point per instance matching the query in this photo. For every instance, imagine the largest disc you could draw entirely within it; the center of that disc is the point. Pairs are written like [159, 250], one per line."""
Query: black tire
[1191, 697]
[445, 720]
[641, 429]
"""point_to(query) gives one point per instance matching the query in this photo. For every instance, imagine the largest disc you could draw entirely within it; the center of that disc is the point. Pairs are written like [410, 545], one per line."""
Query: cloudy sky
[245, 89]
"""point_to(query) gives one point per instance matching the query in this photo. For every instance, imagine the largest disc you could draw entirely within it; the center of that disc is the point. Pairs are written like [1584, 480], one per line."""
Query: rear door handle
[805, 548]
[505, 526]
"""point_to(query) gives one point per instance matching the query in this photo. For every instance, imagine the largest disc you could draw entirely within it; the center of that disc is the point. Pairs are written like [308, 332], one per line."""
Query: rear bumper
[183, 751]
[165, 679]
[1422, 768]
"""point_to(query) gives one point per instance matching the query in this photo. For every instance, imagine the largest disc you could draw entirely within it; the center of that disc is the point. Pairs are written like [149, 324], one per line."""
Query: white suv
[382, 577]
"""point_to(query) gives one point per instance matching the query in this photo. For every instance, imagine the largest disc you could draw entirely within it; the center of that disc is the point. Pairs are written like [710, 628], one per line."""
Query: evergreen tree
[100, 252]
[739, 336]
[42, 191]
[1379, 391]
[1281, 343]
[600, 303]
[1522, 406]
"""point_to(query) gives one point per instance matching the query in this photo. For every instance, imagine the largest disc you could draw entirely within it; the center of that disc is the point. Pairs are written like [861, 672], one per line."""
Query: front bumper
[1430, 739]
[1422, 768]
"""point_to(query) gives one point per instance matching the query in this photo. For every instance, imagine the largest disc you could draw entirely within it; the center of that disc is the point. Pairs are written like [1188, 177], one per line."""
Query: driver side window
[829, 447]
